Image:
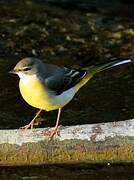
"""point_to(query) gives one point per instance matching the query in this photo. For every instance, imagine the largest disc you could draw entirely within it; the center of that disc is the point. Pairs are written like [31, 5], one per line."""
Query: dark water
[72, 172]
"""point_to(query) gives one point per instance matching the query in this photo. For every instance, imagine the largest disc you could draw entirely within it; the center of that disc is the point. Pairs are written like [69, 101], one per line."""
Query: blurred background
[74, 33]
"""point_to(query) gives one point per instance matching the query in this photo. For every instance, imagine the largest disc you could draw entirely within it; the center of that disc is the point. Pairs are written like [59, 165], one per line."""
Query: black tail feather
[112, 63]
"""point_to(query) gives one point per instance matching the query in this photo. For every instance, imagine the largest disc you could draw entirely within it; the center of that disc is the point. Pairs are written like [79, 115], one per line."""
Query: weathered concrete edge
[90, 132]
[94, 142]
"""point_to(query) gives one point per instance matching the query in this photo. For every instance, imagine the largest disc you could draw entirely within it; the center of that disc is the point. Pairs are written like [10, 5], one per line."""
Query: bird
[50, 87]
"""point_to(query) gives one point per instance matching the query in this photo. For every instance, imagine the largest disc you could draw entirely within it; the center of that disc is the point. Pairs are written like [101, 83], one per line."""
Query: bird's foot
[53, 132]
[32, 124]
[28, 126]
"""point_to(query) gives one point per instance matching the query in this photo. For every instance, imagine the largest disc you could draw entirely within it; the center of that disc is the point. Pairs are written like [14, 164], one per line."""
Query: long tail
[112, 63]
[92, 70]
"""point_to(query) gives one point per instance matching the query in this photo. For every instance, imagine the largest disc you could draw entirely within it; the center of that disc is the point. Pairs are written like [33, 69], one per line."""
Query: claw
[53, 132]
[28, 126]
[32, 123]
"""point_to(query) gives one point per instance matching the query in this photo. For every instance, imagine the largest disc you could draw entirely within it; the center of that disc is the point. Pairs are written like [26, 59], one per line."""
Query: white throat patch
[26, 77]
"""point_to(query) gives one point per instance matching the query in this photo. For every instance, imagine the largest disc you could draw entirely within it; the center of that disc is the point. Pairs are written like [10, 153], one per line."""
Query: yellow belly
[35, 94]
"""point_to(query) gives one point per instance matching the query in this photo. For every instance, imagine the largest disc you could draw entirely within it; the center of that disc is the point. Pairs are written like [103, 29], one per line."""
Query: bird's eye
[27, 69]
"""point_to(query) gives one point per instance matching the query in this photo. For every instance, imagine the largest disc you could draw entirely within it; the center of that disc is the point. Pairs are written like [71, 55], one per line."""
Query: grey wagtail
[50, 87]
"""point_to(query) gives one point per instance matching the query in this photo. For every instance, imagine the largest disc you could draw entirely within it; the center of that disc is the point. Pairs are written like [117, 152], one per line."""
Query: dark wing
[64, 80]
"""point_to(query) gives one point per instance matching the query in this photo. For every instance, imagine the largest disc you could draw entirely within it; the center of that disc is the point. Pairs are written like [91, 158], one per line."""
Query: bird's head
[27, 67]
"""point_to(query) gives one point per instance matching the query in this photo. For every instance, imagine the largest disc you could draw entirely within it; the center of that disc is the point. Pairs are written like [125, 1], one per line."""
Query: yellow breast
[35, 94]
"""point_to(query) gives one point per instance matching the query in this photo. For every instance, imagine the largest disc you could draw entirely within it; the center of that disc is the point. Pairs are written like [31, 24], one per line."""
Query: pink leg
[31, 124]
[56, 128]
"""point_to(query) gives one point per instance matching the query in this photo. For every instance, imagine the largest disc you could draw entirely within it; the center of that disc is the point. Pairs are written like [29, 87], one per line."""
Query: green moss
[66, 151]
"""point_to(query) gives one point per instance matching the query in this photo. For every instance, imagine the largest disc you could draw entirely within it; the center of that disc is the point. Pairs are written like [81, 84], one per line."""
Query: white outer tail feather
[122, 62]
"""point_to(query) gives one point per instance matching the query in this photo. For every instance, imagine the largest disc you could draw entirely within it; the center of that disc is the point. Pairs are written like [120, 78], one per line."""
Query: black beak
[12, 72]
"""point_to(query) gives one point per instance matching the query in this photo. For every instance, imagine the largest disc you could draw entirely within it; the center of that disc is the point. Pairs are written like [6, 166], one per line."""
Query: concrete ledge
[103, 142]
